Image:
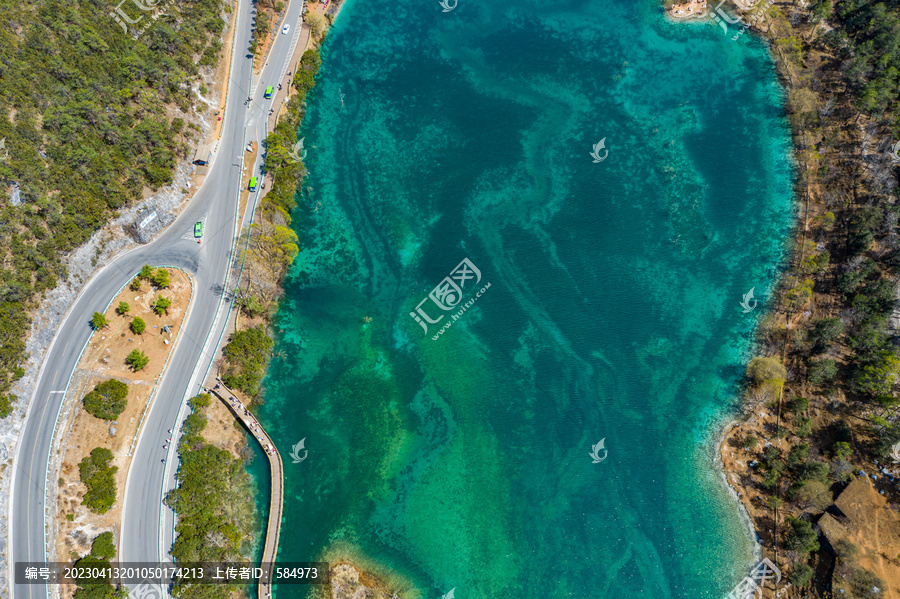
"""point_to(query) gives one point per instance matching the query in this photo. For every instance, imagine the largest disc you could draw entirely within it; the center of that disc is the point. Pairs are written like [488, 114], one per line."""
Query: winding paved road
[147, 531]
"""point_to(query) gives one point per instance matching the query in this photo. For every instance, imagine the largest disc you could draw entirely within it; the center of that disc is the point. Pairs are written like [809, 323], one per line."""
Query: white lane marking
[52, 392]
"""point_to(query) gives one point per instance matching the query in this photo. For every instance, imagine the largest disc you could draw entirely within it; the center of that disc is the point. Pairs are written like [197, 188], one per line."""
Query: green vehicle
[198, 229]
[269, 90]
[253, 183]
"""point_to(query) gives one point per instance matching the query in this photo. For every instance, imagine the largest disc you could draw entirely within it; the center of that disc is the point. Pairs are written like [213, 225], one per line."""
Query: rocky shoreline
[805, 458]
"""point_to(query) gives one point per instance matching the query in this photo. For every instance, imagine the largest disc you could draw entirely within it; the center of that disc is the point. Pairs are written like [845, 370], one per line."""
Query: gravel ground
[81, 264]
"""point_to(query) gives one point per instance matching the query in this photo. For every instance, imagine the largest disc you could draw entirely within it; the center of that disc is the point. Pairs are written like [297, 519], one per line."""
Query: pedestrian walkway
[301, 45]
[273, 527]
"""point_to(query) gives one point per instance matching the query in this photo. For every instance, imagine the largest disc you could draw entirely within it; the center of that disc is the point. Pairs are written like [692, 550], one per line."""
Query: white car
[285, 29]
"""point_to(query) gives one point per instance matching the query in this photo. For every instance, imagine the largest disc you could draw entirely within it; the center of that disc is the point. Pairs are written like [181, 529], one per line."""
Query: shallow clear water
[612, 313]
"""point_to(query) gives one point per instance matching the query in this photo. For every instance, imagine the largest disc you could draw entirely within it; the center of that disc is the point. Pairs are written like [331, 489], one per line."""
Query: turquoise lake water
[612, 310]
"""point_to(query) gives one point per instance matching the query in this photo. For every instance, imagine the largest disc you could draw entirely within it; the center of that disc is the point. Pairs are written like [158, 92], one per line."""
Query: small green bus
[253, 183]
[269, 90]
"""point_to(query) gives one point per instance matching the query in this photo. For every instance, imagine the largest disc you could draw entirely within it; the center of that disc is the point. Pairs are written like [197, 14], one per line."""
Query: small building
[692, 8]
[203, 155]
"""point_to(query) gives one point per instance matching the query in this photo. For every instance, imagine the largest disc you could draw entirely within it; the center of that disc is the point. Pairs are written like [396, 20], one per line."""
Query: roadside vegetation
[98, 321]
[270, 245]
[268, 14]
[92, 117]
[103, 551]
[216, 521]
[137, 360]
[99, 478]
[107, 400]
[829, 364]
[247, 354]
[138, 326]
[161, 305]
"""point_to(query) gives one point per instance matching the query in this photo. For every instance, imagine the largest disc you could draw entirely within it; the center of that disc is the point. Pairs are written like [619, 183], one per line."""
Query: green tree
[161, 305]
[103, 546]
[854, 274]
[246, 355]
[316, 25]
[311, 61]
[821, 372]
[875, 299]
[107, 400]
[98, 320]
[135, 284]
[815, 494]
[798, 405]
[863, 225]
[123, 308]
[825, 331]
[751, 441]
[800, 576]
[868, 337]
[791, 48]
[798, 454]
[765, 369]
[841, 450]
[304, 81]
[771, 477]
[161, 278]
[99, 478]
[798, 294]
[877, 376]
[813, 470]
[137, 360]
[800, 536]
[138, 325]
[90, 587]
[6, 405]
[146, 272]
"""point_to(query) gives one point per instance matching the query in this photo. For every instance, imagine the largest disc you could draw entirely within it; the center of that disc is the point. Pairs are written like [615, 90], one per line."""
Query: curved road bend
[214, 204]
